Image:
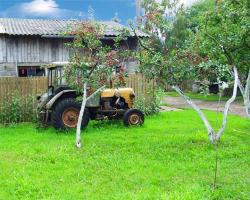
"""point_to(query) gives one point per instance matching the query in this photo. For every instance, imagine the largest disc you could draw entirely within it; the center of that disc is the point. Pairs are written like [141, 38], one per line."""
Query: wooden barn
[28, 44]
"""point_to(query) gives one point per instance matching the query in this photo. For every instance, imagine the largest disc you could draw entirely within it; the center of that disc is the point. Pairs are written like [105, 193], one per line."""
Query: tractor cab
[56, 81]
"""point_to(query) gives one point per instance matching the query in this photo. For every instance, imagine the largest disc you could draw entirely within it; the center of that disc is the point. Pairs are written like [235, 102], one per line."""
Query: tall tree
[91, 63]
[222, 33]
[169, 54]
[166, 55]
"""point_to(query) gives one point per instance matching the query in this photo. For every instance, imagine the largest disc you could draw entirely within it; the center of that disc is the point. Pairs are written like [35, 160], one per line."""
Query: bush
[16, 108]
[151, 105]
[148, 108]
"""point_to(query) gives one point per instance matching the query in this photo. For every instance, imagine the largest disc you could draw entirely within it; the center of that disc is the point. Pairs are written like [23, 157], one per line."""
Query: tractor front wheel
[65, 114]
[133, 117]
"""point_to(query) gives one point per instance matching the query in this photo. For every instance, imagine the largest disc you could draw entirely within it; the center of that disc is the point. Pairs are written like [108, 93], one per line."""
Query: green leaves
[199, 43]
[92, 60]
[225, 23]
[165, 54]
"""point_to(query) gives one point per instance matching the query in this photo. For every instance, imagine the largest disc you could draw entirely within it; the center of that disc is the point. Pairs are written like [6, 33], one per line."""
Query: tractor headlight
[44, 97]
[41, 100]
[50, 91]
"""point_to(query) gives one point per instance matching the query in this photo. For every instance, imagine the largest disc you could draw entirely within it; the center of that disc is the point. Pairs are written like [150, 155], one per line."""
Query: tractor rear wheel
[65, 114]
[133, 117]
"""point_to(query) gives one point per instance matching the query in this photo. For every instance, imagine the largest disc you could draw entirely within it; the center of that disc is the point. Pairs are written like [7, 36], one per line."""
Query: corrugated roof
[17, 26]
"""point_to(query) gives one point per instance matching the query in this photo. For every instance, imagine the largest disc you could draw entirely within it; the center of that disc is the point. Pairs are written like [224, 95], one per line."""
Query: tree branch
[92, 70]
[245, 92]
[228, 103]
[213, 137]
[247, 95]
[242, 89]
[100, 89]
[140, 42]
[200, 113]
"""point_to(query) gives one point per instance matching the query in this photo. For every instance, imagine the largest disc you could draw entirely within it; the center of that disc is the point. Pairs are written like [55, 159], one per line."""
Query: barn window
[30, 71]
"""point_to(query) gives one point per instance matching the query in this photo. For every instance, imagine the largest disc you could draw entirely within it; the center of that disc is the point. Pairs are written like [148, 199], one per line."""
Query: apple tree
[91, 63]
[168, 54]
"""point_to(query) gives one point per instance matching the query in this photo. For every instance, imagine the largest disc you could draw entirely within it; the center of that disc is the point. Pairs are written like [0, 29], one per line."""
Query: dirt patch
[237, 108]
[168, 109]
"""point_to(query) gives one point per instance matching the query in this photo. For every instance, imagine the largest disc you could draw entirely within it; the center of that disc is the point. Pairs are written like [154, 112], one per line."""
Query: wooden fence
[143, 87]
[18, 95]
[18, 98]
[24, 86]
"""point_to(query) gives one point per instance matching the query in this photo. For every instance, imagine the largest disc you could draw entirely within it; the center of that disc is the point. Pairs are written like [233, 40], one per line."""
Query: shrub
[16, 108]
[147, 108]
[151, 105]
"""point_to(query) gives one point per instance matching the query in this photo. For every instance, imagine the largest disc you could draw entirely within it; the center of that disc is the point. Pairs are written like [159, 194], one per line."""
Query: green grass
[199, 96]
[168, 158]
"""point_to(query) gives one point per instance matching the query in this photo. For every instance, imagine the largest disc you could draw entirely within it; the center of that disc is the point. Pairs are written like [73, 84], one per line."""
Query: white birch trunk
[200, 113]
[246, 94]
[242, 89]
[79, 123]
[100, 89]
[227, 105]
[213, 137]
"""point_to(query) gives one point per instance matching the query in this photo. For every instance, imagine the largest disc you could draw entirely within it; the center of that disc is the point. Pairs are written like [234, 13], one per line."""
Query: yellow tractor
[59, 107]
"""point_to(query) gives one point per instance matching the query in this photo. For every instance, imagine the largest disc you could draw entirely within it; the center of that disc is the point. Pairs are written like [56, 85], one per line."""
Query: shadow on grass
[107, 123]
[102, 124]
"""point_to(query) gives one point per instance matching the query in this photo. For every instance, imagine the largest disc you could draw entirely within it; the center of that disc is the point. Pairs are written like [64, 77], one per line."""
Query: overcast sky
[67, 9]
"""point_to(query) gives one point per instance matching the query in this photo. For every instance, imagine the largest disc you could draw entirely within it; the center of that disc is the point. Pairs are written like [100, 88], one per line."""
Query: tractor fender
[56, 97]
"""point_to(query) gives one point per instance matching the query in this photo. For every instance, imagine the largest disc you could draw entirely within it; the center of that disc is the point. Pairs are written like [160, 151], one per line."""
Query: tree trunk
[213, 137]
[247, 95]
[227, 105]
[245, 92]
[200, 113]
[79, 123]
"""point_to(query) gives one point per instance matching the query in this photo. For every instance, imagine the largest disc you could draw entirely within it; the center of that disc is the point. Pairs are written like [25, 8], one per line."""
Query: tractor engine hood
[126, 93]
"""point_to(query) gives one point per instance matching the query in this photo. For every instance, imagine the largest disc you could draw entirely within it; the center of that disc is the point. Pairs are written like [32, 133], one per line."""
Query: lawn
[207, 97]
[168, 158]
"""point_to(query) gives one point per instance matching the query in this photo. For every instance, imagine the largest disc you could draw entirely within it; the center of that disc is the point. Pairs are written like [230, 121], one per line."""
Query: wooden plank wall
[32, 49]
[36, 49]
[28, 88]
[2, 49]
